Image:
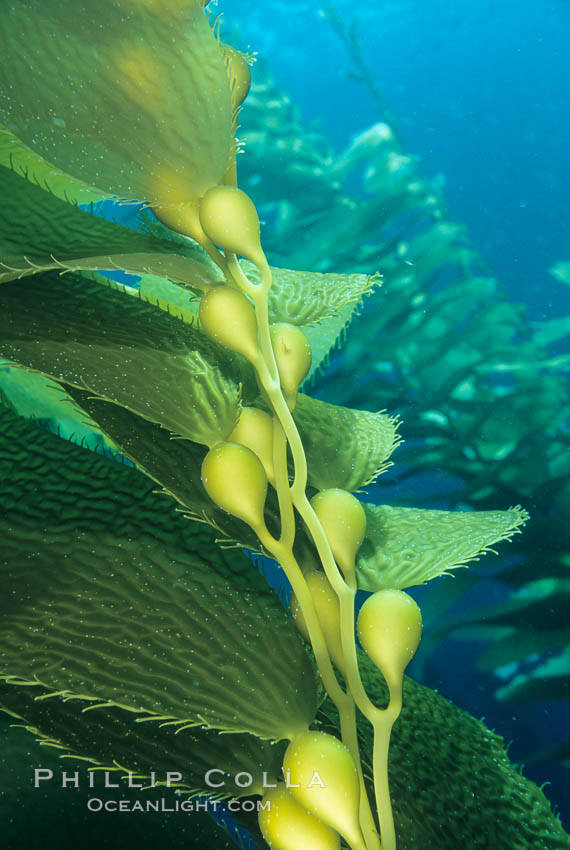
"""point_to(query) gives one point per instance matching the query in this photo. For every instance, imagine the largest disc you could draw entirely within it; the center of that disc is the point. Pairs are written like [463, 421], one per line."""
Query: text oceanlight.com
[96, 804]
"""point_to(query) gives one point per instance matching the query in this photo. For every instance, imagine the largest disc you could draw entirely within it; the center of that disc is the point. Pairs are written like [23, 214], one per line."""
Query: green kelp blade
[173, 464]
[39, 231]
[103, 615]
[112, 738]
[176, 466]
[134, 624]
[89, 335]
[344, 447]
[25, 162]
[512, 420]
[309, 298]
[133, 98]
[321, 304]
[547, 331]
[38, 398]
[543, 602]
[118, 496]
[408, 546]
[169, 296]
[533, 620]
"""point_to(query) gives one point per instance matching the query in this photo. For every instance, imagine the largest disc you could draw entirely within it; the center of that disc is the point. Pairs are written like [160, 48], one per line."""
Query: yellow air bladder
[322, 777]
[229, 219]
[255, 430]
[293, 357]
[228, 317]
[344, 521]
[390, 630]
[286, 825]
[235, 480]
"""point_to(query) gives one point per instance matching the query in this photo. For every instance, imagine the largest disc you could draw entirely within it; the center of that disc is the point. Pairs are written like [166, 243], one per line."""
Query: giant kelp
[122, 646]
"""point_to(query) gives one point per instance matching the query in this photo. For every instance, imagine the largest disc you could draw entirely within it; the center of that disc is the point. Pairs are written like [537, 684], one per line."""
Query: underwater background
[476, 99]
[479, 92]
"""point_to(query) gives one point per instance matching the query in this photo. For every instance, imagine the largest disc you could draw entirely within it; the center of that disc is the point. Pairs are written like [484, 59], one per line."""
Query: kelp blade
[122, 349]
[40, 231]
[132, 98]
[404, 547]
[107, 608]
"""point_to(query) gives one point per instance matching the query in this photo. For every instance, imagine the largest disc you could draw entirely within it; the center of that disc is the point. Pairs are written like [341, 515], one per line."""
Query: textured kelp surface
[118, 348]
[41, 231]
[114, 84]
[406, 546]
[116, 628]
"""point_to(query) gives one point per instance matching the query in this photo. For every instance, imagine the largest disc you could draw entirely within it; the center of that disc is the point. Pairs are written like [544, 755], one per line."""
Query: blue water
[478, 90]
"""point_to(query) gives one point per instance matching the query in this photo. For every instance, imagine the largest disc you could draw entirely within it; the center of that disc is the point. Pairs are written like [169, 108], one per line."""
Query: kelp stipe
[198, 653]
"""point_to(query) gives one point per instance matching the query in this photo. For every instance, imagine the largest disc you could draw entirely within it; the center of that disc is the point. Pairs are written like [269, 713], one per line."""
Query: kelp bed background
[483, 400]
